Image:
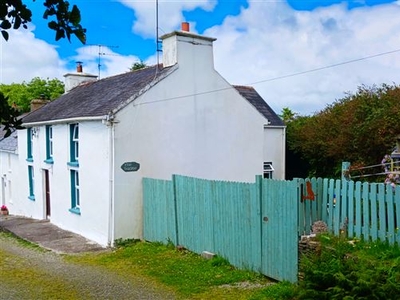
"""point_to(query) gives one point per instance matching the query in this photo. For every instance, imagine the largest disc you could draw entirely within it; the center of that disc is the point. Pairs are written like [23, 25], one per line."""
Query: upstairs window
[74, 144]
[49, 144]
[29, 143]
[268, 170]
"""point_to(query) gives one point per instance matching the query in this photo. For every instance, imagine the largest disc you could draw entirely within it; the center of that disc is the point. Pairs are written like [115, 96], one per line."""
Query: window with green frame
[74, 144]
[75, 198]
[49, 144]
[29, 142]
[31, 180]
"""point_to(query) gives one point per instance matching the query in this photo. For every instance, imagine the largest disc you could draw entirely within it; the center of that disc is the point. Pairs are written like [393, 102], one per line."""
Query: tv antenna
[158, 42]
[101, 53]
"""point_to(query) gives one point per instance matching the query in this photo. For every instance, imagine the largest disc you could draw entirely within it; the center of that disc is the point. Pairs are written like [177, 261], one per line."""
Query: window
[29, 142]
[31, 178]
[268, 170]
[49, 145]
[74, 145]
[75, 200]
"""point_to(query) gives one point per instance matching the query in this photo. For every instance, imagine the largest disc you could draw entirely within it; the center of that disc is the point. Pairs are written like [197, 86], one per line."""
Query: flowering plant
[4, 208]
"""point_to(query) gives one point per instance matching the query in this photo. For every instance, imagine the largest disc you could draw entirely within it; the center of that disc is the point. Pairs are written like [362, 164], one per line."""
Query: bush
[340, 269]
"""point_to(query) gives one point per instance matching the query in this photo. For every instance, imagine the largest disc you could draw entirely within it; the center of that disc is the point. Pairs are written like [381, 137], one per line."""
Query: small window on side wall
[268, 170]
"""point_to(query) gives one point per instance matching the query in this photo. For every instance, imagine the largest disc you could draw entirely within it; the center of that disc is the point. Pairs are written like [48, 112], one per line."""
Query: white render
[191, 123]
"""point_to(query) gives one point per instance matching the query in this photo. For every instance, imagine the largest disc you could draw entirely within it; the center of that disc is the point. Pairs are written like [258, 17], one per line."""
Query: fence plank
[365, 208]
[382, 212]
[344, 218]
[374, 211]
[397, 214]
[325, 202]
[337, 207]
[351, 214]
[390, 214]
[358, 199]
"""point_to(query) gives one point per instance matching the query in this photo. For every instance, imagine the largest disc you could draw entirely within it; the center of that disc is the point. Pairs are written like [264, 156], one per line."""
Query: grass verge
[188, 274]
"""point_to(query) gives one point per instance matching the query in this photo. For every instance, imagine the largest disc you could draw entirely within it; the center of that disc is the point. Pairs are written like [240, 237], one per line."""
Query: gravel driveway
[76, 281]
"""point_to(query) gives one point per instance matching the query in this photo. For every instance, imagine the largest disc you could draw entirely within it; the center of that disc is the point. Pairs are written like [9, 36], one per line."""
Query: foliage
[66, 21]
[359, 128]
[21, 94]
[138, 66]
[8, 116]
[340, 269]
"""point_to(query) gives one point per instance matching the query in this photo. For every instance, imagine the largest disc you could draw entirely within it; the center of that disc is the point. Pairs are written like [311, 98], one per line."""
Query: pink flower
[3, 208]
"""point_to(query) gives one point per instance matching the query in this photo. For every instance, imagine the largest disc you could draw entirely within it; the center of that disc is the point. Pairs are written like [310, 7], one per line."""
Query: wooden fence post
[345, 171]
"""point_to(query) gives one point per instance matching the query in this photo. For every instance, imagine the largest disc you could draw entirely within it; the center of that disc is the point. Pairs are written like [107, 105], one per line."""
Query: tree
[66, 22]
[8, 117]
[138, 65]
[21, 94]
[360, 128]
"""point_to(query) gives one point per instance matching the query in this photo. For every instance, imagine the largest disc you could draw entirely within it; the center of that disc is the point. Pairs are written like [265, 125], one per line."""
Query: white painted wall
[94, 179]
[9, 181]
[208, 135]
[274, 149]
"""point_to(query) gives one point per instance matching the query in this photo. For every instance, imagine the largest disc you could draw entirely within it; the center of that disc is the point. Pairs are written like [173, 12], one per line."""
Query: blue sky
[291, 51]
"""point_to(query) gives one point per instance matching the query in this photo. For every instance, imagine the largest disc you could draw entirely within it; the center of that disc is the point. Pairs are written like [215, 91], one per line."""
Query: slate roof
[10, 143]
[98, 98]
[255, 99]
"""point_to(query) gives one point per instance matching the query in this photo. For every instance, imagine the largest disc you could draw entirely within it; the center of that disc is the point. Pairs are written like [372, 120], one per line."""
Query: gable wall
[216, 135]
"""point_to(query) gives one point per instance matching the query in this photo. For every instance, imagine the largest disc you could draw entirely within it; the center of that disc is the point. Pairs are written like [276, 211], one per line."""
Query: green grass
[188, 274]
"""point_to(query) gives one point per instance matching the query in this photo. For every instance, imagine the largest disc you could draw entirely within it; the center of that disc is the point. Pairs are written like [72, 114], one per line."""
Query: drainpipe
[111, 134]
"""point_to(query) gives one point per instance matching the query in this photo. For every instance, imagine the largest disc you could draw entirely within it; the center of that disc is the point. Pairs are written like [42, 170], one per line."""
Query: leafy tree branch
[65, 21]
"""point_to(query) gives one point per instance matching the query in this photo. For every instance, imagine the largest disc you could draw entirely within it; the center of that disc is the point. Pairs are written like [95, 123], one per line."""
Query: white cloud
[169, 14]
[24, 57]
[270, 41]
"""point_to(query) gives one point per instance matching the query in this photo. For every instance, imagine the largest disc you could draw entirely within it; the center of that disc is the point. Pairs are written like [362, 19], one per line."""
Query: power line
[279, 77]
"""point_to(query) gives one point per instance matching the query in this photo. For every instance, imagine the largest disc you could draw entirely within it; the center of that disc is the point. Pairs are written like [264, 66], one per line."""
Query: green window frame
[49, 144]
[75, 193]
[31, 180]
[29, 143]
[74, 144]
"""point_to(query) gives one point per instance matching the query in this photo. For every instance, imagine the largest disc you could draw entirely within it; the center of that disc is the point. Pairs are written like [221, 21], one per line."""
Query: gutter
[63, 121]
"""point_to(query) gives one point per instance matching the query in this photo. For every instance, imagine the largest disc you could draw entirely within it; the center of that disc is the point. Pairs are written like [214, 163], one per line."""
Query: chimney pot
[185, 26]
[79, 68]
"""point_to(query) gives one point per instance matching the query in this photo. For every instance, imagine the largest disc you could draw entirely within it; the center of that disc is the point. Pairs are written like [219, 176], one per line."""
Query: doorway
[47, 194]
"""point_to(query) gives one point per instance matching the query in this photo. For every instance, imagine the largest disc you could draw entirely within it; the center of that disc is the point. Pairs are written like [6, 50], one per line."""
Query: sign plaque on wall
[130, 166]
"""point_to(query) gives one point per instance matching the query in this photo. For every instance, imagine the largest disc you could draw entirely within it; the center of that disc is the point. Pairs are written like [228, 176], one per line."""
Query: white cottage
[76, 162]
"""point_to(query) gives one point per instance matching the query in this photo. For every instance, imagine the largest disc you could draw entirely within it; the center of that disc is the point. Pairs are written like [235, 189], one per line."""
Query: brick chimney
[38, 103]
[186, 48]
[74, 79]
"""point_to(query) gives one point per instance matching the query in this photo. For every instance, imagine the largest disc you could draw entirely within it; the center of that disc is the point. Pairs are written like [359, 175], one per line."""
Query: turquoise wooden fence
[363, 210]
[253, 225]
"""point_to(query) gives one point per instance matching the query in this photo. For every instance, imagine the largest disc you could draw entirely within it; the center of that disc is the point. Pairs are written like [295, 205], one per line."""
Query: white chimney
[186, 48]
[74, 79]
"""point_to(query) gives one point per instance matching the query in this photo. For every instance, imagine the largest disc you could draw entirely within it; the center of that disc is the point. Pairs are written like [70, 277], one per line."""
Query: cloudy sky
[301, 54]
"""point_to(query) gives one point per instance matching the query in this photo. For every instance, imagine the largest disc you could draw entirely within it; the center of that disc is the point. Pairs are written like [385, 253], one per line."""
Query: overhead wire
[278, 77]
